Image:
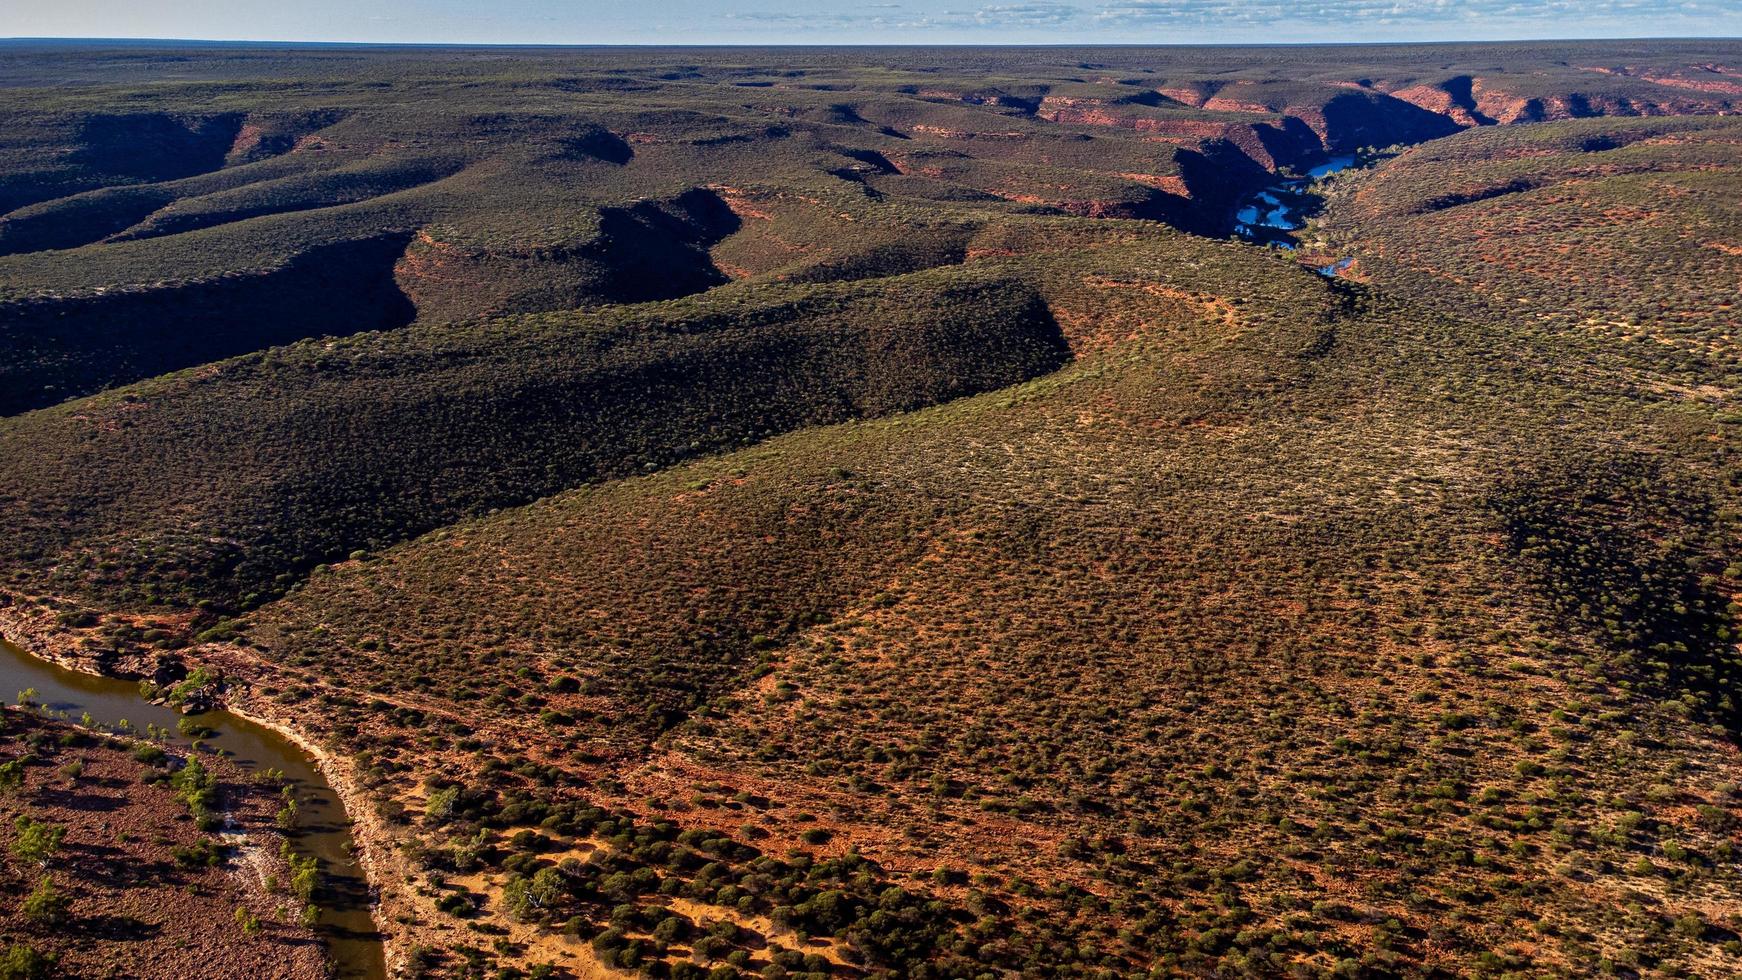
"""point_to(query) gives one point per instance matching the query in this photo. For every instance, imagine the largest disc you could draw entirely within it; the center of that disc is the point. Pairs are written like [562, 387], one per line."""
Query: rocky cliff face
[164, 215]
[1361, 115]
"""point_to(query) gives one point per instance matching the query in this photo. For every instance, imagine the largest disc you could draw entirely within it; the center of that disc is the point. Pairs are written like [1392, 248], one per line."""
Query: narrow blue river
[1270, 215]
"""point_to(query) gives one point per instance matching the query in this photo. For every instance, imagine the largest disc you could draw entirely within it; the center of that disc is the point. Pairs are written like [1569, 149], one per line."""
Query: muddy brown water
[323, 829]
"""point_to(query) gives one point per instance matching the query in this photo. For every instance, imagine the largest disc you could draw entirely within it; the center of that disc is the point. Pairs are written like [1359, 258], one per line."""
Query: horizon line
[531, 45]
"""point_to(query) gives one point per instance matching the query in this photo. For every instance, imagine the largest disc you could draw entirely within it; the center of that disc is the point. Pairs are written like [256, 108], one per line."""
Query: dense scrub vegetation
[370, 440]
[1321, 719]
[1630, 555]
[1327, 722]
[100, 341]
[178, 221]
[1619, 229]
[939, 573]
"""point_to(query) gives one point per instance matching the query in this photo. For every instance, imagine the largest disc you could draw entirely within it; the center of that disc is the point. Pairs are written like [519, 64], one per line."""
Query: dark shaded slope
[1632, 556]
[299, 192]
[345, 268]
[649, 250]
[59, 348]
[79, 219]
[230, 482]
[150, 146]
[1370, 119]
[45, 156]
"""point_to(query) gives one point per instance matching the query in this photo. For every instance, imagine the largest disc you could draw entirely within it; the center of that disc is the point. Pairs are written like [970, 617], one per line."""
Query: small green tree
[24, 963]
[196, 786]
[201, 678]
[547, 888]
[37, 841]
[515, 898]
[46, 906]
[305, 875]
[191, 727]
[12, 775]
[287, 814]
[441, 806]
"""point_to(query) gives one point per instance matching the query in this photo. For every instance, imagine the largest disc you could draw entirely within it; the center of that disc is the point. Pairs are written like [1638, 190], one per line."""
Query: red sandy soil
[134, 910]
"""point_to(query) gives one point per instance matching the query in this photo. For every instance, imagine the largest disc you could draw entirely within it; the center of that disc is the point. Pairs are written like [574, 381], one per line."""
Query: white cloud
[1236, 20]
[1027, 14]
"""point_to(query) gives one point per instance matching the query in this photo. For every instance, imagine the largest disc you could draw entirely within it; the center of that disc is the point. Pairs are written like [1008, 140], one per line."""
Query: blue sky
[868, 21]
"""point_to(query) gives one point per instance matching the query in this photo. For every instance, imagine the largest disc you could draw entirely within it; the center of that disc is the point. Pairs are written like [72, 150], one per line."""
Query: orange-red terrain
[139, 889]
[764, 514]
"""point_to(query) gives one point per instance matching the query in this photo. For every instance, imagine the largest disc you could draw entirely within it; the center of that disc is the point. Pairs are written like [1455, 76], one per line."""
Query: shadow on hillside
[55, 349]
[1628, 554]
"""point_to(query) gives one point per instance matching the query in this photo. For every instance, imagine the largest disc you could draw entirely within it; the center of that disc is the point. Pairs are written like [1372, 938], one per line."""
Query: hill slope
[142, 231]
[770, 515]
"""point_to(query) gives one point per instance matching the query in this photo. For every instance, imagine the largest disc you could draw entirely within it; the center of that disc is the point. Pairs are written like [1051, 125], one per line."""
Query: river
[1270, 215]
[323, 830]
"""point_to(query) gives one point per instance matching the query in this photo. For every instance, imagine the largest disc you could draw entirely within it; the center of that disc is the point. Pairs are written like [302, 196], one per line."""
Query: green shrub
[37, 841]
[46, 906]
[24, 963]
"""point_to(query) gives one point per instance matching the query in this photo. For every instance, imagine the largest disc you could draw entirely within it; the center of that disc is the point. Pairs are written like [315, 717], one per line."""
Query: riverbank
[34, 631]
[347, 851]
[145, 889]
[1272, 214]
[374, 846]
